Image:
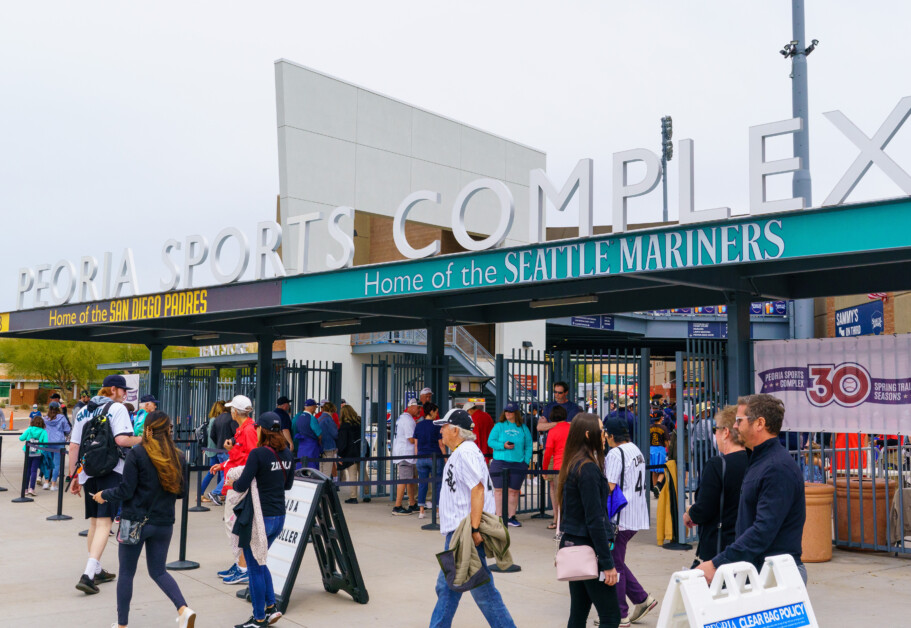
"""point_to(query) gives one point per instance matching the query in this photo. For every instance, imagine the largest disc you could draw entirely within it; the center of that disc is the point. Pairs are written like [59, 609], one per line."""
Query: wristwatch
[473, 530]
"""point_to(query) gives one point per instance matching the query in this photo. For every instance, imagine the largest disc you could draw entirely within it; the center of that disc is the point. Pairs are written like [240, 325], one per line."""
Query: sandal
[552, 526]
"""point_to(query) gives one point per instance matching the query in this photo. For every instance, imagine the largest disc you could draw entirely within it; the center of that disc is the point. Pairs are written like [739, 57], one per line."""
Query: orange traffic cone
[11, 412]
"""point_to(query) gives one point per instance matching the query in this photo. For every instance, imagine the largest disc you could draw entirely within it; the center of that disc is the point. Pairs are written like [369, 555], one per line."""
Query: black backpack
[202, 433]
[98, 451]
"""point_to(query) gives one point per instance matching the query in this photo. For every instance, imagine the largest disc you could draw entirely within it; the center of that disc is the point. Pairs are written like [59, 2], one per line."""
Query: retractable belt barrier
[2, 488]
[58, 449]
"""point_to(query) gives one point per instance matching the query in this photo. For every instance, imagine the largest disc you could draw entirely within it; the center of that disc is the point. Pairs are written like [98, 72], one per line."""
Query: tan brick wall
[830, 317]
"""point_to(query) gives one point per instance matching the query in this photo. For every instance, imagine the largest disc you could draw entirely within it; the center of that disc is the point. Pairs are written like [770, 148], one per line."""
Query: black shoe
[353, 500]
[273, 614]
[414, 508]
[253, 623]
[103, 576]
[398, 510]
[86, 586]
[656, 492]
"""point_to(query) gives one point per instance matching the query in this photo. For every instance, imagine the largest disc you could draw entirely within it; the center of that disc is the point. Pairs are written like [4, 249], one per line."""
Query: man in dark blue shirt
[561, 390]
[772, 509]
[282, 409]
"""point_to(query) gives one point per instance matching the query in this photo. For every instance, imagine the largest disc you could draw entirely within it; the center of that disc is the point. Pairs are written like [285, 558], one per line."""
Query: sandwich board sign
[739, 598]
[314, 514]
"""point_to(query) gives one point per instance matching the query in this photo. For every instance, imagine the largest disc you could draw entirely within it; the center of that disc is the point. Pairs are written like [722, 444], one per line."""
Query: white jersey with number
[120, 426]
[464, 470]
[635, 484]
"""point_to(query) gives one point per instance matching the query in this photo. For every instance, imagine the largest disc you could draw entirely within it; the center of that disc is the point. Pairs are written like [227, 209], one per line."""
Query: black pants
[584, 593]
[156, 540]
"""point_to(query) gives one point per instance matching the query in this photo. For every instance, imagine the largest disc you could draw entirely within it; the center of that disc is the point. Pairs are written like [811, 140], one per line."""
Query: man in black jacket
[772, 509]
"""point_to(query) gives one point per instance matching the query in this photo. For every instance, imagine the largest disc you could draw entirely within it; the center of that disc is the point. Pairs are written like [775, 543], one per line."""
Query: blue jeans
[425, 470]
[485, 596]
[221, 459]
[261, 592]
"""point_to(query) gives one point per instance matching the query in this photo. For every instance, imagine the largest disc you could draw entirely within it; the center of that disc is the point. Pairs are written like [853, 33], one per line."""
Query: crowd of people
[749, 503]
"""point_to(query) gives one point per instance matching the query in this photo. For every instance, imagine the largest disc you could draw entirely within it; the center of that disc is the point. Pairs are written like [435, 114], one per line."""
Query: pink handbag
[576, 562]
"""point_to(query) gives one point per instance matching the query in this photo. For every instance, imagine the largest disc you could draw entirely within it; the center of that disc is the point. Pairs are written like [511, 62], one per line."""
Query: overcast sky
[123, 125]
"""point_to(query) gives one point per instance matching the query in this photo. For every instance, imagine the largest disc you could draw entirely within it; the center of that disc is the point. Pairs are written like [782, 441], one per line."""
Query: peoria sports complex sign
[789, 235]
[758, 239]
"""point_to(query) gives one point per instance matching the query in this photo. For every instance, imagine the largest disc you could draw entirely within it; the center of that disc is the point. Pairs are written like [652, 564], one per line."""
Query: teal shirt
[518, 435]
[34, 433]
[139, 422]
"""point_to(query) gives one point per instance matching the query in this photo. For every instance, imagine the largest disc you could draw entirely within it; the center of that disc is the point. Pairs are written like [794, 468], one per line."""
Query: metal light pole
[667, 153]
[797, 51]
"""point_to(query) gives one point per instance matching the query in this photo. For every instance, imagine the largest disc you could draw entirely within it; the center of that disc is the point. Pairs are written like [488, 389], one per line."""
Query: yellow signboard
[4, 322]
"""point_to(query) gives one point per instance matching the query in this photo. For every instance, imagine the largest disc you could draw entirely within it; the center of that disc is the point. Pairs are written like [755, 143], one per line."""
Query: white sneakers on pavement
[187, 619]
[638, 611]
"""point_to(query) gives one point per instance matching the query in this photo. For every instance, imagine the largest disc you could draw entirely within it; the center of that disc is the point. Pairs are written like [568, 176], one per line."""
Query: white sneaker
[428, 504]
[187, 619]
[46, 486]
[638, 611]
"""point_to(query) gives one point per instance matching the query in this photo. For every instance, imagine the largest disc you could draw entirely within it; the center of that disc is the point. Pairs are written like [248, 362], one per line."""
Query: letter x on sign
[871, 151]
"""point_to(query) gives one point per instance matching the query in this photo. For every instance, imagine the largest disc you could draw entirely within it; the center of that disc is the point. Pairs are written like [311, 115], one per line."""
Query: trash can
[817, 529]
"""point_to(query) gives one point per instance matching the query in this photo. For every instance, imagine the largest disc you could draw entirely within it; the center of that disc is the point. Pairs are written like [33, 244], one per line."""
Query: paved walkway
[42, 561]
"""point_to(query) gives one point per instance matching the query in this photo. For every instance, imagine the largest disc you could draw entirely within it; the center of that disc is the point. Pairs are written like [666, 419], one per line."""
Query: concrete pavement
[42, 561]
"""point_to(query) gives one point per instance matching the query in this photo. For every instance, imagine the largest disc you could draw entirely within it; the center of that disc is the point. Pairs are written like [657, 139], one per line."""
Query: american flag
[873, 296]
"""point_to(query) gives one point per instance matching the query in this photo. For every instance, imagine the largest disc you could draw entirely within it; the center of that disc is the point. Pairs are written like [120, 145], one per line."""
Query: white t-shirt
[635, 484]
[404, 429]
[464, 470]
[120, 425]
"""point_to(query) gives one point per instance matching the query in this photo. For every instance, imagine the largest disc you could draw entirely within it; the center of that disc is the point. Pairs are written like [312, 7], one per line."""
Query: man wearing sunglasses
[561, 392]
[772, 510]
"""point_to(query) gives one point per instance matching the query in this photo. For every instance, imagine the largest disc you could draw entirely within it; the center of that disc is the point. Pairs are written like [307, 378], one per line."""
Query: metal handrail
[456, 337]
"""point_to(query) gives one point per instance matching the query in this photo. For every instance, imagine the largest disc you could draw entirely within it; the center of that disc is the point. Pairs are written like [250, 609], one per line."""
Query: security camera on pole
[667, 153]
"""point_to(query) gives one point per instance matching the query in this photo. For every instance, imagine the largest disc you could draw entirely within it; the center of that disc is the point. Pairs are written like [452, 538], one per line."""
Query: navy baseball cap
[457, 417]
[511, 407]
[149, 399]
[54, 404]
[310, 402]
[269, 421]
[115, 381]
[282, 400]
[615, 426]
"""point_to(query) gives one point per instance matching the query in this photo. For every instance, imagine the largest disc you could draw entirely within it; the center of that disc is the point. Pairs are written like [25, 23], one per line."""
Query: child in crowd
[33, 435]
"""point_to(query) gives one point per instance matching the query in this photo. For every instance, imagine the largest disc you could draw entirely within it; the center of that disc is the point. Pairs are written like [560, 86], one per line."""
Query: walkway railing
[456, 337]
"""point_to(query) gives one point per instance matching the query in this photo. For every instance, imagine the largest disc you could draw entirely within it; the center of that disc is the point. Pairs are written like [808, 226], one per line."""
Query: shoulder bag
[574, 562]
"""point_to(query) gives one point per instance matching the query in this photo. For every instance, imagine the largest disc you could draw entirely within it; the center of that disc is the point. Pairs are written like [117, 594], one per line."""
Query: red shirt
[245, 441]
[483, 426]
[556, 443]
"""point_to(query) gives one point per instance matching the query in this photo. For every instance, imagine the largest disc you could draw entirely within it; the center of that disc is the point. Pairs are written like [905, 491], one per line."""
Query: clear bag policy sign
[860, 384]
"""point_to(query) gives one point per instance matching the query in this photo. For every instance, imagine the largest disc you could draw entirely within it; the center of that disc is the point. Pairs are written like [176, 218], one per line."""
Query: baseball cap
[54, 404]
[115, 381]
[310, 402]
[241, 403]
[511, 407]
[324, 402]
[55, 396]
[269, 421]
[425, 391]
[702, 406]
[616, 426]
[34, 406]
[413, 402]
[469, 405]
[85, 393]
[458, 417]
[622, 400]
[149, 399]
[282, 400]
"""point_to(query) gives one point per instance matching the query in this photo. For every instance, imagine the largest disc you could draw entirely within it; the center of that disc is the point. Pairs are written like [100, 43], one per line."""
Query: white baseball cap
[469, 405]
[426, 391]
[413, 402]
[240, 402]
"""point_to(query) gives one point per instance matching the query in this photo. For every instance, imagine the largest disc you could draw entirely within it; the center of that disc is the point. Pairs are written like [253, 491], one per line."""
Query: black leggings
[156, 540]
[584, 593]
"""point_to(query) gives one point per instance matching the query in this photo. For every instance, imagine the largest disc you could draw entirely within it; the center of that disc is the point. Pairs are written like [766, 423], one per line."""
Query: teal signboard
[789, 235]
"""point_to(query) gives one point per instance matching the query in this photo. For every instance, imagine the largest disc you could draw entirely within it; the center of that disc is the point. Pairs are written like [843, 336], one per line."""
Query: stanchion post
[183, 564]
[433, 525]
[199, 507]
[542, 489]
[22, 498]
[2, 488]
[60, 481]
[504, 506]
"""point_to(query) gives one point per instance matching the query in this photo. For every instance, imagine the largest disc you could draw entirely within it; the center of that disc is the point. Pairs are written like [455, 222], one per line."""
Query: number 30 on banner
[847, 384]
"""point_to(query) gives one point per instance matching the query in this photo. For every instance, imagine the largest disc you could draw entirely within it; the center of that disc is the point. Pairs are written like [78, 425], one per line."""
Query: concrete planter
[862, 509]
[817, 529]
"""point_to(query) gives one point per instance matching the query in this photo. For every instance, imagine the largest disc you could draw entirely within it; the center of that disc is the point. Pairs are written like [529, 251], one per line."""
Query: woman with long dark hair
[153, 475]
[271, 466]
[582, 493]
[349, 446]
